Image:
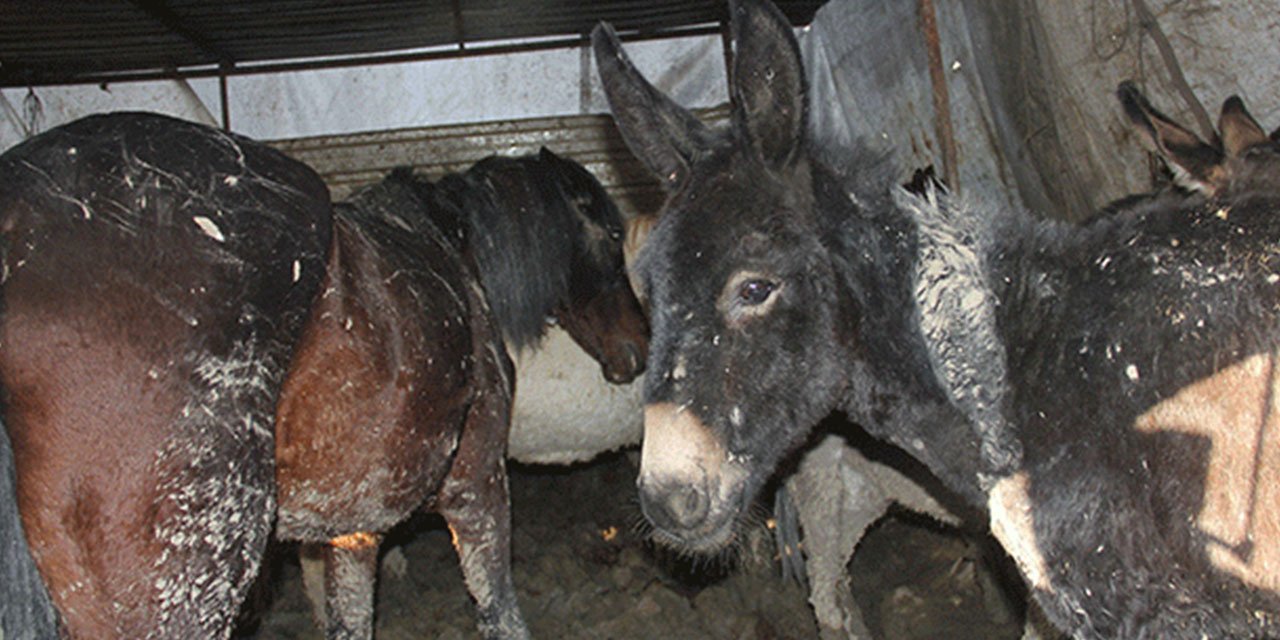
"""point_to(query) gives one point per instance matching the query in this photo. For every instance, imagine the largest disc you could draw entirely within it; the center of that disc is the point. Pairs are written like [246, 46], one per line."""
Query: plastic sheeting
[1031, 86]
[871, 87]
[535, 84]
[1030, 83]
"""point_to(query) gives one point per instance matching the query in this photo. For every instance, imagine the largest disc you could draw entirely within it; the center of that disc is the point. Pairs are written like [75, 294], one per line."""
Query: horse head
[601, 312]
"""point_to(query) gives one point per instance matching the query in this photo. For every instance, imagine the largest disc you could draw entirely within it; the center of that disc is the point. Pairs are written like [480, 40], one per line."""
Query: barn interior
[1012, 102]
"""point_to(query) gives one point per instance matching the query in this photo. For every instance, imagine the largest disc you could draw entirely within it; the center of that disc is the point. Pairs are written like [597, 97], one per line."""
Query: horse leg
[475, 502]
[350, 570]
[311, 562]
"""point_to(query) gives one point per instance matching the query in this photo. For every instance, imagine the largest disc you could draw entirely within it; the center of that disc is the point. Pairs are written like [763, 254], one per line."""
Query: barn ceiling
[74, 41]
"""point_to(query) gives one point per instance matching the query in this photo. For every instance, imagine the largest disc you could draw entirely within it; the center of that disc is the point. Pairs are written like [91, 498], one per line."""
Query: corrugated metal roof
[43, 42]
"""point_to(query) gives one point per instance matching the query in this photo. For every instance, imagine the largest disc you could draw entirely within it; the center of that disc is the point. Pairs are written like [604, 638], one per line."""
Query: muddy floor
[584, 571]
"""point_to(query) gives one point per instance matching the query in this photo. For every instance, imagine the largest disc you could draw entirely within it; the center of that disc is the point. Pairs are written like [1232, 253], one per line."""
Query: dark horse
[428, 283]
[1105, 392]
[181, 308]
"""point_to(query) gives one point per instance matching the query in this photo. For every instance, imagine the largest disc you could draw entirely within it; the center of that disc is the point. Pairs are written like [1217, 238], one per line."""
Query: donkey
[1102, 392]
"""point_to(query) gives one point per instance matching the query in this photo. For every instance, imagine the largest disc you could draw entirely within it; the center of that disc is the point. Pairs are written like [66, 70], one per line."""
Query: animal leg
[786, 536]
[836, 502]
[350, 569]
[311, 561]
[476, 504]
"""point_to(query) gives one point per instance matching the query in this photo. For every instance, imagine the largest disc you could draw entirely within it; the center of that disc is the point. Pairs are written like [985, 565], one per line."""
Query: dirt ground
[584, 571]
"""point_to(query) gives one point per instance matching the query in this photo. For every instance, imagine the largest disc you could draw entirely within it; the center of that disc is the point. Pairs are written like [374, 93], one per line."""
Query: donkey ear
[1195, 165]
[666, 137]
[547, 155]
[1239, 130]
[768, 86]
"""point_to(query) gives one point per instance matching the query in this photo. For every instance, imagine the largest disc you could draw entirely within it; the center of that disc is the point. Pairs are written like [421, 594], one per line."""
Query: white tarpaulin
[392, 96]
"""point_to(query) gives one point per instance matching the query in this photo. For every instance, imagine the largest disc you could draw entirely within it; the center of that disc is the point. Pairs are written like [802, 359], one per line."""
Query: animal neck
[521, 236]
[892, 389]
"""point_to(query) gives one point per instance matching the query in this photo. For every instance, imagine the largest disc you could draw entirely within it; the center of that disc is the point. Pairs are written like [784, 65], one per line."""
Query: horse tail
[26, 613]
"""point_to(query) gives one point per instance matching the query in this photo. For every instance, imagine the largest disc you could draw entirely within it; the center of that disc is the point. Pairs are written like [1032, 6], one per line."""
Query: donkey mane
[874, 246]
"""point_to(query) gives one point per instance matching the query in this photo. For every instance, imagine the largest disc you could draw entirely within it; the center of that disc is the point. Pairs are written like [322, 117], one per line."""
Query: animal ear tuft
[1239, 130]
[768, 86]
[664, 136]
[1195, 164]
[637, 233]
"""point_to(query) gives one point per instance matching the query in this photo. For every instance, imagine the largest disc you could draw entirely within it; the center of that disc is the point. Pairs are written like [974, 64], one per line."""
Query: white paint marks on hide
[400, 222]
[209, 228]
[217, 502]
[679, 371]
[297, 270]
[1012, 523]
[957, 304]
[231, 181]
[1131, 372]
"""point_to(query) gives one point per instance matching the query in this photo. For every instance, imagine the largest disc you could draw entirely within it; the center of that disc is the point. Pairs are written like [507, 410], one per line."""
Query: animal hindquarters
[153, 275]
[375, 400]
[142, 443]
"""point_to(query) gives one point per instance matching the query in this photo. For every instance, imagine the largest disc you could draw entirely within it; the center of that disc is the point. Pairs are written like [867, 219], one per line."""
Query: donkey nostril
[691, 506]
[674, 507]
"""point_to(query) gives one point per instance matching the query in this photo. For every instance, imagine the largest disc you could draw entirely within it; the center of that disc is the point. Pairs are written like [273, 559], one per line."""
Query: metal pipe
[53, 79]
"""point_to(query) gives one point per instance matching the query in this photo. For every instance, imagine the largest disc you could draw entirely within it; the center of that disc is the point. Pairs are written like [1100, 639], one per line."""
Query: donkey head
[1244, 161]
[601, 313]
[739, 286]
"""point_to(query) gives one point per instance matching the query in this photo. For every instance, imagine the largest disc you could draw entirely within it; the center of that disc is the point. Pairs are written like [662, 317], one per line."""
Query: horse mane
[511, 215]
[522, 237]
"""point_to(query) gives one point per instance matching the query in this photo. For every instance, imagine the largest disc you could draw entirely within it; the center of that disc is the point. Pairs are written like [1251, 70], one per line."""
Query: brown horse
[426, 284]
[172, 292]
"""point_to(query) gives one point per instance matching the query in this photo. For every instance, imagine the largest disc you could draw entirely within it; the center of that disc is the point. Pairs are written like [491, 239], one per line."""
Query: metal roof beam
[50, 78]
[161, 12]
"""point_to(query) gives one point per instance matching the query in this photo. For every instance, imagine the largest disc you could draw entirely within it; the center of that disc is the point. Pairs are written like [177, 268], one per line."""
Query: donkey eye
[754, 292]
